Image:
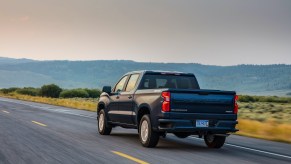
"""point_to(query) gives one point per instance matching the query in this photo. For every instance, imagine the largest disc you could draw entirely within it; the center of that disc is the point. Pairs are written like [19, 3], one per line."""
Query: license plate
[202, 123]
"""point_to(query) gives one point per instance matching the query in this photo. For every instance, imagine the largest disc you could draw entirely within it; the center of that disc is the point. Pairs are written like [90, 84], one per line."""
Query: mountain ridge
[249, 79]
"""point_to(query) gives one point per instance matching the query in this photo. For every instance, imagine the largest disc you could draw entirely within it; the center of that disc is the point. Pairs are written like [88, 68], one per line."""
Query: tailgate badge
[179, 110]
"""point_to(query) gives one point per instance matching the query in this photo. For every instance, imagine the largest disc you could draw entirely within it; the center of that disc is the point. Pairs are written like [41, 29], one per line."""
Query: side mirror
[106, 89]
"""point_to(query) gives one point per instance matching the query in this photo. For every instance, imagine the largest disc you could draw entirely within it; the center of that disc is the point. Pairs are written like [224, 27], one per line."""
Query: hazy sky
[220, 32]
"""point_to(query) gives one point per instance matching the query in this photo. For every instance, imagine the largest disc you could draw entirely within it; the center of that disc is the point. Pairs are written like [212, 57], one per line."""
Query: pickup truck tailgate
[202, 101]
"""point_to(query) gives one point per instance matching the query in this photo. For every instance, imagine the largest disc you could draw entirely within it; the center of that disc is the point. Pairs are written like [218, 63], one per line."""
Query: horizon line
[88, 60]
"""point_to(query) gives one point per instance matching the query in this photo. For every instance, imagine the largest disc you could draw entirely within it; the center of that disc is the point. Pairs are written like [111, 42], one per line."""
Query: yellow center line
[129, 157]
[38, 123]
[5, 111]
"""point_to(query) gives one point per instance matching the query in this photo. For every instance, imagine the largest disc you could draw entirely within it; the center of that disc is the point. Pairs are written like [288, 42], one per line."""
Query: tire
[182, 135]
[213, 141]
[147, 136]
[103, 127]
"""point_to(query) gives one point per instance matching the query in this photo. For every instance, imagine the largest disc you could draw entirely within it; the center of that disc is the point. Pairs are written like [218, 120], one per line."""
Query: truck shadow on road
[169, 143]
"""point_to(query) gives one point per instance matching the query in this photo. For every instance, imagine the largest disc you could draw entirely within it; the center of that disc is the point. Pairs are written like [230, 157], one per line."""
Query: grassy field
[259, 119]
[266, 120]
[265, 111]
[269, 130]
[89, 104]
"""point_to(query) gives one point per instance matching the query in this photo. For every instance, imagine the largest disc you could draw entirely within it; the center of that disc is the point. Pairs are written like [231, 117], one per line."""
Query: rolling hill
[246, 79]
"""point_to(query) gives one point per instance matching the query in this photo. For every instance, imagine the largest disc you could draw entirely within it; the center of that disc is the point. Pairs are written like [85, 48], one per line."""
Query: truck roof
[159, 71]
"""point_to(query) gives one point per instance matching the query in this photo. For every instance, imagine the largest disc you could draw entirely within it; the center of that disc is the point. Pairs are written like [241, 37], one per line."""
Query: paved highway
[39, 133]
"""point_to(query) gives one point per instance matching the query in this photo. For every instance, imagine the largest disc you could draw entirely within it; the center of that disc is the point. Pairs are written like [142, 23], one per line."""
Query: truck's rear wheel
[147, 136]
[213, 141]
[103, 127]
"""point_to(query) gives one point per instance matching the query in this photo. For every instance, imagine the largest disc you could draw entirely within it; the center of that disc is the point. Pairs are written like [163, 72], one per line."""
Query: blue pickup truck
[160, 102]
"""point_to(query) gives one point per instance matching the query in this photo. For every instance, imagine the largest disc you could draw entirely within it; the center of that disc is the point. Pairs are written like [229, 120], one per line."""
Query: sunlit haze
[225, 32]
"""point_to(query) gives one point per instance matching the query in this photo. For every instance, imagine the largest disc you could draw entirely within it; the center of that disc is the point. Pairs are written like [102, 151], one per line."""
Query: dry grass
[78, 103]
[270, 130]
[263, 111]
[265, 120]
[259, 120]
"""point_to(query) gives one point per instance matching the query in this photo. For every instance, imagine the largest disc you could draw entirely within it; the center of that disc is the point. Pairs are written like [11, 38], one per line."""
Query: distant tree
[50, 90]
[72, 93]
[8, 90]
[93, 93]
[28, 91]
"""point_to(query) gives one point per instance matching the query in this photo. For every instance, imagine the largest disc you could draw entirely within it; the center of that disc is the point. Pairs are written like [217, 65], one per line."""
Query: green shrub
[8, 90]
[246, 98]
[72, 93]
[272, 99]
[28, 91]
[93, 93]
[50, 90]
[249, 106]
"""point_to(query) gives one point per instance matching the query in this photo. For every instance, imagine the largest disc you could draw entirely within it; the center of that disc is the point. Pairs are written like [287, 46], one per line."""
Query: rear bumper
[218, 124]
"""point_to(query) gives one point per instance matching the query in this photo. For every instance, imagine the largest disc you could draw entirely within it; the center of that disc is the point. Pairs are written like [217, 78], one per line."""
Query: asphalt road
[39, 133]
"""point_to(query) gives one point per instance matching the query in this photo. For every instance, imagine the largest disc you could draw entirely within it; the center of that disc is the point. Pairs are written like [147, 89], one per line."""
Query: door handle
[117, 97]
[130, 97]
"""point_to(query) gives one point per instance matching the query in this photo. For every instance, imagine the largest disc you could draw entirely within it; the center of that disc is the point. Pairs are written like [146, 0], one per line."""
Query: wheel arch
[142, 110]
[101, 105]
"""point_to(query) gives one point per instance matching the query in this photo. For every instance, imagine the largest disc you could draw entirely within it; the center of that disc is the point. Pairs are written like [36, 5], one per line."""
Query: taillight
[166, 102]
[235, 110]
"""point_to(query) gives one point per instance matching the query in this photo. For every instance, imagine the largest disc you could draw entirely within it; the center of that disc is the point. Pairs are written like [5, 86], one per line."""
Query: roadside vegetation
[266, 117]
[81, 98]
[269, 130]
[53, 91]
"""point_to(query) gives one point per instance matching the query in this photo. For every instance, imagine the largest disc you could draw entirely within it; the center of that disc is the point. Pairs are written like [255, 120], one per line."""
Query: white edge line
[246, 148]
[261, 151]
